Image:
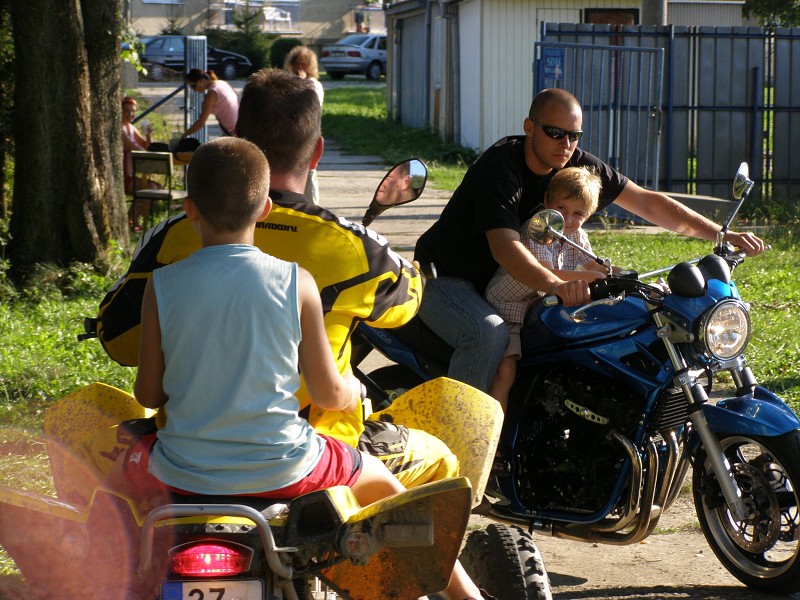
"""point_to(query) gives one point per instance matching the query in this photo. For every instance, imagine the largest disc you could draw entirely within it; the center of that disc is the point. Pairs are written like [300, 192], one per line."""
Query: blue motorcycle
[613, 404]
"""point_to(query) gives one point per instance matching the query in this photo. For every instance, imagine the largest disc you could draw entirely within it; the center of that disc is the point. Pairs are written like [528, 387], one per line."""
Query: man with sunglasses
[478, 231]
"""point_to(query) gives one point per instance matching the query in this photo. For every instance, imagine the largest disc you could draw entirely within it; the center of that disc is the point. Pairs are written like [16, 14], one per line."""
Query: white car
[356, 54]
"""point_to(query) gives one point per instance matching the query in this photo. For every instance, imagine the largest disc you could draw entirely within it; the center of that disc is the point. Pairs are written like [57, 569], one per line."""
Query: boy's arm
[328, 389]
[149, 389]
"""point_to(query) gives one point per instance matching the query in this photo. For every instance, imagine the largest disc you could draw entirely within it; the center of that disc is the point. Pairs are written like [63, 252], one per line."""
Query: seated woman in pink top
[220, 100]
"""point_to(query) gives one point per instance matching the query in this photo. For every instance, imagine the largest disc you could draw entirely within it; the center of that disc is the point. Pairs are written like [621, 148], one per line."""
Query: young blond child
[574, 192]
[222, 335]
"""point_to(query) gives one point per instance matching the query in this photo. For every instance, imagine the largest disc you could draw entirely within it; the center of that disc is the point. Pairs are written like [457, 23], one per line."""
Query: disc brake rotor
[759, 532]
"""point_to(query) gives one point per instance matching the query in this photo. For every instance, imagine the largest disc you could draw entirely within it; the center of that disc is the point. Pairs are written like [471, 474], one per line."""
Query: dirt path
[674, 563]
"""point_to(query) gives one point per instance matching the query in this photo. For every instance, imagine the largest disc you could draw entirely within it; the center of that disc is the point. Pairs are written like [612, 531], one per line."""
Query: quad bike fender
[464, 418]
[418, 533]
[761, 413]
[84, 440]
[63, 549]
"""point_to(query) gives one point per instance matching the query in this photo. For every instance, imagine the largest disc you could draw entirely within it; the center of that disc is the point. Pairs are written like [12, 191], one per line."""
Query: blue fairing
[691, 308]
[763, 413]
[548, 328]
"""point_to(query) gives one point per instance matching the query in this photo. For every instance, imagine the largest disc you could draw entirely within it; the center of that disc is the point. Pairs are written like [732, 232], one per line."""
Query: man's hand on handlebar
[749, 242]
[573, 293]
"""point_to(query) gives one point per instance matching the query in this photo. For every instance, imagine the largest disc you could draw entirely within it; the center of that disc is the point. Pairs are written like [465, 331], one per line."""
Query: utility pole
[654, 12]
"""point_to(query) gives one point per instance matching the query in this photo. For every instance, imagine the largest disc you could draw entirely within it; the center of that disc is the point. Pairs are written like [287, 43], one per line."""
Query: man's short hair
[579, 183]
[228, 180]
[554, 95]
[280, 113]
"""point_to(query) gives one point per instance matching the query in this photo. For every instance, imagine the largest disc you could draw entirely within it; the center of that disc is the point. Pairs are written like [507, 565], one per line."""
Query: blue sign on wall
[553, 60]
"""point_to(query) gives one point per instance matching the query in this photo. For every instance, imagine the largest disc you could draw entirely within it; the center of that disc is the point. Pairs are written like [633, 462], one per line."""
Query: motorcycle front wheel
[763, 551]
[504, 561]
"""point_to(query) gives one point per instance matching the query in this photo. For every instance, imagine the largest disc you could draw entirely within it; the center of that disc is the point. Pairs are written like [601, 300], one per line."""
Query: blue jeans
[458, 314]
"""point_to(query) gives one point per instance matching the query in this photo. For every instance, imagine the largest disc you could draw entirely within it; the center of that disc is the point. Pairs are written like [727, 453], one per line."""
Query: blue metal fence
[620, 92]
[730, 94]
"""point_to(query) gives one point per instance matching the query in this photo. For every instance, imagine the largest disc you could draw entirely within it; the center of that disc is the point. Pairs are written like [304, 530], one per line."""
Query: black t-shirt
[498, 191]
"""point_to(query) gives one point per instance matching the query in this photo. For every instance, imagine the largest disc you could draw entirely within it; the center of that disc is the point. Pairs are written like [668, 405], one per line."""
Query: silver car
[356, 54]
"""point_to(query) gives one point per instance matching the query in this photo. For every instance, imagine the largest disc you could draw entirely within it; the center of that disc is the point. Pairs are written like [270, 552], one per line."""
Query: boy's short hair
[577, 182]
[228, 180]
[280, 113]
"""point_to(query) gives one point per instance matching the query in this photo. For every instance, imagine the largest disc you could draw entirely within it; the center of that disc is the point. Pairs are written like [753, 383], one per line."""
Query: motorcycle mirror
[403, 183]
[546, 226]
[742, 186]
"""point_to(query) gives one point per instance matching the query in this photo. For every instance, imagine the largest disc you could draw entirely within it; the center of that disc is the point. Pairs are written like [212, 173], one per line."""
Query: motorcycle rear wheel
[762, 552]
[504, 561]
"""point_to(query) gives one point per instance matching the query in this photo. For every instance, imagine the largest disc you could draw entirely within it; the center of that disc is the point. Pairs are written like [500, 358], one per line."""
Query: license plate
[218, 589]
[337, 52]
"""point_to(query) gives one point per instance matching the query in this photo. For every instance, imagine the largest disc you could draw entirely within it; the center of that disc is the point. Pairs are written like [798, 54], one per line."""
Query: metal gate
[620, 92]
[196, 57]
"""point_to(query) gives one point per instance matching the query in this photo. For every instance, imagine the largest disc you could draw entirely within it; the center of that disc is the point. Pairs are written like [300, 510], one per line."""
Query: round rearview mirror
[402, 184]
[546, 226]
[742, 184]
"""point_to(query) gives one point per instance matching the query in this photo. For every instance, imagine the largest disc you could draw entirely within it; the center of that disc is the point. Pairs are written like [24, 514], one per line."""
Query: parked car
[168, 51]
[356, 54]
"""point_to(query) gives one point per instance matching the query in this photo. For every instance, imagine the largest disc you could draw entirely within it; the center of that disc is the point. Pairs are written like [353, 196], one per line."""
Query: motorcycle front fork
[696, 397]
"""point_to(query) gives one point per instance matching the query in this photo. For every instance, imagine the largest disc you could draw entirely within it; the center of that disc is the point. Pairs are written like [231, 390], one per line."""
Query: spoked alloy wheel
[229, 69]
[374, 71]
[763, 551]
[504, 561]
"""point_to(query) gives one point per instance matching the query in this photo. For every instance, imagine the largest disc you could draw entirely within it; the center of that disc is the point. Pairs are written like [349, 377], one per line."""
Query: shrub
[280, 48]
[255, 45]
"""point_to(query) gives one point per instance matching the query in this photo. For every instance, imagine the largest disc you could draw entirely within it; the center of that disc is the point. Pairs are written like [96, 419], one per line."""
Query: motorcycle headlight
[725, 330]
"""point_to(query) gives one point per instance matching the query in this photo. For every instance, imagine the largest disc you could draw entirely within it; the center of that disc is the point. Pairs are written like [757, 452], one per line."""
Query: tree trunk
[68, 198]
[6, 104]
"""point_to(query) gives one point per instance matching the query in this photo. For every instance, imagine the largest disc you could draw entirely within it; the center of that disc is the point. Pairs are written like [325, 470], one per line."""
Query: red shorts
[339, 464]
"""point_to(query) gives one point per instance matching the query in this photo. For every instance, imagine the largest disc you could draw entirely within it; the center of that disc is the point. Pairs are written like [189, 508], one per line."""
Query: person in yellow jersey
[358, 276]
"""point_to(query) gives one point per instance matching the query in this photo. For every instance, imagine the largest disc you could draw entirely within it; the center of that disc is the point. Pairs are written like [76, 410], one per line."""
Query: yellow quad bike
[94, 542]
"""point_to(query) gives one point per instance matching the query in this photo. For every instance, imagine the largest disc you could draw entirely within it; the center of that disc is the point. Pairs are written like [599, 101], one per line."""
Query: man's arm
[149, 388]
[512, 255]
[665, 212]
[329, 389]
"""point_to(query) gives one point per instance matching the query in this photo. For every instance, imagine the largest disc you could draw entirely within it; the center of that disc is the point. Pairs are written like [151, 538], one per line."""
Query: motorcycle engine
[563, 456]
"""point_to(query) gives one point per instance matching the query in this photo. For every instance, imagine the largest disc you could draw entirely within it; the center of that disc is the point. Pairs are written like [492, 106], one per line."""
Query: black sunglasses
[557, 133]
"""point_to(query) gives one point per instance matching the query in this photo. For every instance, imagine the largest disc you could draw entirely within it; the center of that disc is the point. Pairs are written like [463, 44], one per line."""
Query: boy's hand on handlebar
[749, 242]
[573, 293]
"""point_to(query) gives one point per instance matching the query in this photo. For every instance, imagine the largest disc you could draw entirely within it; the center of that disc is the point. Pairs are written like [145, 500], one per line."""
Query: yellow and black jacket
[358, 276]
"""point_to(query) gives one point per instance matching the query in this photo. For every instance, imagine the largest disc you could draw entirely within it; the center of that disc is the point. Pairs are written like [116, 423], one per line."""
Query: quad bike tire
[504, 561]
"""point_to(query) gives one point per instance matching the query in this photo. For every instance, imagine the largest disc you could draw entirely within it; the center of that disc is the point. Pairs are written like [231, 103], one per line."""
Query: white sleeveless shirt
[230, 329]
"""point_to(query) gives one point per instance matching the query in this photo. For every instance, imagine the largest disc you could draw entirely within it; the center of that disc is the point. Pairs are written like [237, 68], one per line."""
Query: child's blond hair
[576, 182]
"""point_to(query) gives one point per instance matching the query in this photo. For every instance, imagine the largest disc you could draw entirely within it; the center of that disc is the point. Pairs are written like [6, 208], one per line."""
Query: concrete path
[347, 184]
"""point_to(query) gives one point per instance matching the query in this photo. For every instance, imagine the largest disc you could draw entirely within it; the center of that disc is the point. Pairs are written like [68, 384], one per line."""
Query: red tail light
[354, 53]
[325, 53]
[210, 559]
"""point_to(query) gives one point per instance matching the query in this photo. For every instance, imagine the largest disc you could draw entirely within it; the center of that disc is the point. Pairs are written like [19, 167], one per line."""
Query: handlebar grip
[551, 300]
